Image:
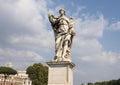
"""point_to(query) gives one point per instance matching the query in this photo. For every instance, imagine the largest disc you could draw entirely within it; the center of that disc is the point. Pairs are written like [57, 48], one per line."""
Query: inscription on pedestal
[60, 73]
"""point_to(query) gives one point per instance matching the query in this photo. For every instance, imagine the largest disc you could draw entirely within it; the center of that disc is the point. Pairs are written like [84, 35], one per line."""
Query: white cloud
[88, 31]
[19, 57]
[37, 39]
[23, 26]
[105, 57]
[91, 26]
[28, 13]
[79, 9]
[87, 46]
[19, 54]
[115, 26]
[88, 52]
[27, 23]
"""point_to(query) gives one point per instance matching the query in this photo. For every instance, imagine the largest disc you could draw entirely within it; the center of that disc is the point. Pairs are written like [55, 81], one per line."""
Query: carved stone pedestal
[60, 73]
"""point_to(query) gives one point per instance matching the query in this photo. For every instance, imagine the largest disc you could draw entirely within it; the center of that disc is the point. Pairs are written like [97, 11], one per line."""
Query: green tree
[104, 83]
[118, 82]
[90, 83]
[113, 82]
[6, 71]
[97, 83]
[38, 73]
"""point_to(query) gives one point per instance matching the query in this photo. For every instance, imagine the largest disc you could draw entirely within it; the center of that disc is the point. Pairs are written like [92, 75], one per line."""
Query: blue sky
[26, 36]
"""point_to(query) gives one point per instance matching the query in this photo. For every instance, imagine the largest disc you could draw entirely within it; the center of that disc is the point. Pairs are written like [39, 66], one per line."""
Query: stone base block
[60, 73]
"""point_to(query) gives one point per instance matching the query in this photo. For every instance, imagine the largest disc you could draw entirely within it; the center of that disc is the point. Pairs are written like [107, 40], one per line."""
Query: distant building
[19, 79]
[24, 77]
[9, 64]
